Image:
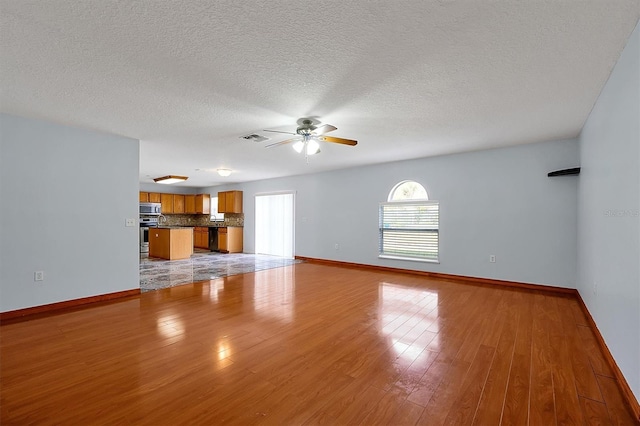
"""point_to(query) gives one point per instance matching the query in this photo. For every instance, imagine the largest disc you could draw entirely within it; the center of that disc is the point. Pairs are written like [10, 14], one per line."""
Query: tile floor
[203, 265]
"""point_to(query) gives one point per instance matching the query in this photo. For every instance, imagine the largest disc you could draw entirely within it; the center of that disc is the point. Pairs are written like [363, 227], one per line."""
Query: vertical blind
[409, 229]
[274, 224]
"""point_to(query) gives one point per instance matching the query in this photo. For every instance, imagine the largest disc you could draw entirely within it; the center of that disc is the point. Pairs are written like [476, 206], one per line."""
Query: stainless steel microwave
[150, 209]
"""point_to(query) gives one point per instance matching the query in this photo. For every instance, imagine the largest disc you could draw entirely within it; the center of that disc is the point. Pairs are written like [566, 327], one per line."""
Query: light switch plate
[130, 222]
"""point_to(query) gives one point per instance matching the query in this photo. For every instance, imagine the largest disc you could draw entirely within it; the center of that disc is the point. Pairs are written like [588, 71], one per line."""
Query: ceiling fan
[307, 137]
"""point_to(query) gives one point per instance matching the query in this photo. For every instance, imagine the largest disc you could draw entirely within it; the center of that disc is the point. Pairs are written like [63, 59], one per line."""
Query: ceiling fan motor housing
[306, 129]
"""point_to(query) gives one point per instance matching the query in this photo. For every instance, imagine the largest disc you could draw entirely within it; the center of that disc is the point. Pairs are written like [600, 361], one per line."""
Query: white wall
[497, 202]
[56, 219]
[608, 214]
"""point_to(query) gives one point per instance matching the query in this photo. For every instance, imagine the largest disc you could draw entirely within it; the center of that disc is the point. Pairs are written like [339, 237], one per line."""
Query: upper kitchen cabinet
[203, 204]
[167, 203]
[190, 204]
[230, 202]
[149, 197]
[178, 203]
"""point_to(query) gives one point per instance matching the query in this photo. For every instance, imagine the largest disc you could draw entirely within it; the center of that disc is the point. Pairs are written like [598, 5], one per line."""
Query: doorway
[274, 224]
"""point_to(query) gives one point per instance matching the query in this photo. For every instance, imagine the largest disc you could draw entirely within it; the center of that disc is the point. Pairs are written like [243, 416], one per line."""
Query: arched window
[408, 190]
[409, 224]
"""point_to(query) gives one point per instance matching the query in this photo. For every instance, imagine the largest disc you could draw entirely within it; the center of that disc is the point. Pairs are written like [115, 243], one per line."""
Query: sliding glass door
[275, 224]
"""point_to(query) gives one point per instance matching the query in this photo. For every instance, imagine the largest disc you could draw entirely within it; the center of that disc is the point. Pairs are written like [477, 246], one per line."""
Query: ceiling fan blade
[278, 131]
[349, 142]
[282, 143]
[325, 128]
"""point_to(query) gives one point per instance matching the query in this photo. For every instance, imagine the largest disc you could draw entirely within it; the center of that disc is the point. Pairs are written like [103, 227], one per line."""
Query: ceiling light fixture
[313, 147]
[308, 144]
[167, 180]
[224, 172]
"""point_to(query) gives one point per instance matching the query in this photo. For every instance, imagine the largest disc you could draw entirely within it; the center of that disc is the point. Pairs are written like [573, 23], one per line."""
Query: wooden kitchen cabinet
[190, 204]
[230, 202]
[203, 204]
[167, 203]
[222, 240]
[149, 197]
[178, 203]
[170, 243]
[201, 237]
[230, 239]
[181, 203]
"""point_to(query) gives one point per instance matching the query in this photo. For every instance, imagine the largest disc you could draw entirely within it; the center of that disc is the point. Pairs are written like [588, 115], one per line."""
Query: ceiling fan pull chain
[306, 154]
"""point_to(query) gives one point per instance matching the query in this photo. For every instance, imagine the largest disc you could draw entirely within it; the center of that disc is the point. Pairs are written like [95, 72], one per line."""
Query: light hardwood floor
[312, 344]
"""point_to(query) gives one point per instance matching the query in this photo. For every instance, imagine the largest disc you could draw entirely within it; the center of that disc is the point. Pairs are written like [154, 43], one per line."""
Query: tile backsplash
[233, 219]
[230, 219]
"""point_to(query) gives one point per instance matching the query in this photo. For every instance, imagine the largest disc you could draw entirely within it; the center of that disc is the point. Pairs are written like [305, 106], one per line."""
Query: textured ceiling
[407, 79]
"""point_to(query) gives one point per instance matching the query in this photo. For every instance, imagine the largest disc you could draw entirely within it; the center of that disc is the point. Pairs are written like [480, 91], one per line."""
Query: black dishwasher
[213, 239]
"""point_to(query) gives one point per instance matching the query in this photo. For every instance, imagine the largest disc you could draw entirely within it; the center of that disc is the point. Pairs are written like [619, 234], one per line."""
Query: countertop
[172, 227]
[193, 226]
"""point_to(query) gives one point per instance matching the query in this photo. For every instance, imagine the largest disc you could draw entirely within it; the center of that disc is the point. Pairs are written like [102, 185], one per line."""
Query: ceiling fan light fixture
[313, 147]
[298, 146]
[167, 180]
[308, 135]
[224, 172]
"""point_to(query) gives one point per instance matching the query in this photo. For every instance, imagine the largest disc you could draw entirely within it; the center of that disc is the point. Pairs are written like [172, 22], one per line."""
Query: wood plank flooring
[311, 344]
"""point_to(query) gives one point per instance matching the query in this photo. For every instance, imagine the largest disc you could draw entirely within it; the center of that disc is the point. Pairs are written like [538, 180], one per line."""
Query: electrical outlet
[38, 276]
[337, 246]
[130, 222]
[492, 258]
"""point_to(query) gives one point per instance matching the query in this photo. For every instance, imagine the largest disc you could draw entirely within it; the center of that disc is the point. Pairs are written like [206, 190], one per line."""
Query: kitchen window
[215, 216]
[409, 224]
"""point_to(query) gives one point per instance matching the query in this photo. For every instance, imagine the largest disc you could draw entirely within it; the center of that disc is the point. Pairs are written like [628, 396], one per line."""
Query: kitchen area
[175, 226]
[187, 238]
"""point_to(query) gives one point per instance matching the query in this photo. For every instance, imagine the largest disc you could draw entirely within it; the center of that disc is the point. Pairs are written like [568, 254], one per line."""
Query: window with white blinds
[409, 229]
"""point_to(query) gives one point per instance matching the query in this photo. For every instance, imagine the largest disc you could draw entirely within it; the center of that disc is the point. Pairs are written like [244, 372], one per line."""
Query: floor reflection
[274, 294]
[170, 325]
[204, 265]
[406, 316]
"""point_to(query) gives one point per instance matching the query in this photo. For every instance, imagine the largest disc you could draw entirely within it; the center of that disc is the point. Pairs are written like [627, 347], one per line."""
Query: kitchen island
[171, 243]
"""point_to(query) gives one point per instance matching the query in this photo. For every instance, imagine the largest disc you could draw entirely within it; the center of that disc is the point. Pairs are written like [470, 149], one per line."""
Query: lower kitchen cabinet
[201, 237]
[170, 243]
[230, 239]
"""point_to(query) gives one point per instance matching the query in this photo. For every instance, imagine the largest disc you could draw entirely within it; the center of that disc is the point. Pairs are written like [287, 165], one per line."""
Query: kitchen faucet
[162, 219]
